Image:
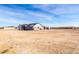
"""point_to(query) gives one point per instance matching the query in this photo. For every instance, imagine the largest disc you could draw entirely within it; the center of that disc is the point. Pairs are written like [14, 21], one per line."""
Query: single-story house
[9, 27]
[32, 26]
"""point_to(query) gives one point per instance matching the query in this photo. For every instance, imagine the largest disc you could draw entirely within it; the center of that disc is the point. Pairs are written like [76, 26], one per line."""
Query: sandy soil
[57, 41]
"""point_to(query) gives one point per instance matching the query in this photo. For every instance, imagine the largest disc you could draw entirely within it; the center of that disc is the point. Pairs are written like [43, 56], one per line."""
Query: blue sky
[46, 14]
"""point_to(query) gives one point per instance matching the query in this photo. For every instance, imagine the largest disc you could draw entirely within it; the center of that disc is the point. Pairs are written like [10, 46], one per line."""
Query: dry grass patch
[58, 41]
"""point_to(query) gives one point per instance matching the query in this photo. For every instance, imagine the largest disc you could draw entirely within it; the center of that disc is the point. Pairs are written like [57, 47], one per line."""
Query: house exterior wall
[9, 27]
[38, 27]
[21, 27]
[27, 27]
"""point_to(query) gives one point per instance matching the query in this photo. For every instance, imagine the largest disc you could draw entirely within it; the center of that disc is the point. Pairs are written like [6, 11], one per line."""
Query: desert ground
[55, 41]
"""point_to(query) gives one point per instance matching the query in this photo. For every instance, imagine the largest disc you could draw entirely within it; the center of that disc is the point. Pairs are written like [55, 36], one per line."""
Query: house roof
[31, 24]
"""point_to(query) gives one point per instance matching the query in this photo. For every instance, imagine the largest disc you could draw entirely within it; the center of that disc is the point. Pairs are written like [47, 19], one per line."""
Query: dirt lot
[46, 41]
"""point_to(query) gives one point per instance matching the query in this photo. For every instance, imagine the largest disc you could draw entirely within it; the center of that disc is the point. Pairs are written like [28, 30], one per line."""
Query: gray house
[32, 26]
